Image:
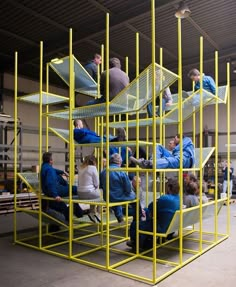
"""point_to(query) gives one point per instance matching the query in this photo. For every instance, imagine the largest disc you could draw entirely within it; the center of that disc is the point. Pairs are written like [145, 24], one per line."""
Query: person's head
[97, 59]
[89, 160]
[172, 186]
[171, 145]
[78, 124]
[136, 182]
[194, 75]
[176, 139]
[47, 158]
[116, 159]
[190, 178]
[114, 63]
[192, 188]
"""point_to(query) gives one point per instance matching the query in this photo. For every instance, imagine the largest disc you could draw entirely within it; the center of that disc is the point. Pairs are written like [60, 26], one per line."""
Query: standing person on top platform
[83, 136]
[118, 80]
[92, 66]
[53, 185]
[166, 159]
[208, 83]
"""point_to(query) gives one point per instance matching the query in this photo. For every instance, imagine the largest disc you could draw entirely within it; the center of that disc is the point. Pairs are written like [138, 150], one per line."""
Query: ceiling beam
[118, 20]
[37, 15]
[23, 39]
[203, 33]
[131, 27]
[95, 44]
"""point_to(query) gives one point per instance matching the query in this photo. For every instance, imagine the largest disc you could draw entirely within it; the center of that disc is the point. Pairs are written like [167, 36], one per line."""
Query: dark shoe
[53, 228]
[130, 243]
[143, 163]
[78, 211]
[121, 134]
[92, 217]
[120, 219]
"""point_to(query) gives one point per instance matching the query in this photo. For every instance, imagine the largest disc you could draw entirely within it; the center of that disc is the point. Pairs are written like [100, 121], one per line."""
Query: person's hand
[66, 173]
[58, 198]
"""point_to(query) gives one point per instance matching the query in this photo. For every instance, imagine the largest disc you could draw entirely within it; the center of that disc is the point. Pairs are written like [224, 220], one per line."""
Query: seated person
[83, 135]
[120, 189]
[204, 191]
[88, 187]
[208, 84]
[53, 185]
[92, 66]
[118, 80]
[190, 198]
[166, 159]
[189, 177]
[166, 102]
[166, 207]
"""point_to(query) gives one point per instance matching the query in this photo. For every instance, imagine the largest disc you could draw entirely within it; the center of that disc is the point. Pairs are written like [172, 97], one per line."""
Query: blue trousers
[96, 101]
[119, 211]
[149, 108]
[165, 159]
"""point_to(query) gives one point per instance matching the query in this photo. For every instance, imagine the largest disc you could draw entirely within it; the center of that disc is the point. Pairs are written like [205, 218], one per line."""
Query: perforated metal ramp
[131, 99]
[47, 98]
[84, 83]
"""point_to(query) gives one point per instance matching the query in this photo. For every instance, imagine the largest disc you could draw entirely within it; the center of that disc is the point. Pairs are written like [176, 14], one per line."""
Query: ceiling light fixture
[57, 61]
[183, 11]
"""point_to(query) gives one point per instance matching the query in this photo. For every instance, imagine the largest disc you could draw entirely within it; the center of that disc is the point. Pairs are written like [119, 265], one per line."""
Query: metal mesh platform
[206, 154]
[132, 99]
[84, 83]
[47, 98]
[64, 135]
[31, 179]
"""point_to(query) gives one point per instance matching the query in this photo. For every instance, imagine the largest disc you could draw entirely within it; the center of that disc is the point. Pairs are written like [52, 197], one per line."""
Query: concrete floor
[20, 266]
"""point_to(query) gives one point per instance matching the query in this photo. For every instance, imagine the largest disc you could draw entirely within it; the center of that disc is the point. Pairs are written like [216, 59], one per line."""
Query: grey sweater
[118, 80]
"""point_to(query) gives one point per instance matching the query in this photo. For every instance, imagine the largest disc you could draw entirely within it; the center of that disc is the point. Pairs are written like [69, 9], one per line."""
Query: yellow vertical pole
[71, 138]
[40, 136]
[180, 128]
[47, 107]
[216, 147]
[107, 147]
[162, 128]
[15, 142]
[228, 146]
[154, 274]
[137, 142]
[103, 60]
[147, 136]
[194, 119]
[127, 115]
[201, 140]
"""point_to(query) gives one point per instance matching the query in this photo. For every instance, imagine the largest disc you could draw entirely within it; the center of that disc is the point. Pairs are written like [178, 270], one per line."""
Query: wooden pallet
[24, 200]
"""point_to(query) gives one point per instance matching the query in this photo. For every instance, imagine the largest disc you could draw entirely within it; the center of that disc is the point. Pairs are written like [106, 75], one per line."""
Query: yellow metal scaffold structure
[103, 245]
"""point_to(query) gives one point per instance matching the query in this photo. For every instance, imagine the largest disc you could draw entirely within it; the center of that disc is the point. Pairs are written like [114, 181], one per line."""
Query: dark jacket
[92, 69]
[53, 184]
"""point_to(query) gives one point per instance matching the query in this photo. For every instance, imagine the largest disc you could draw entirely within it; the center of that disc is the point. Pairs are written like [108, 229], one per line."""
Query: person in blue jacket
[167, 159]
[83, 135]
[120, 188]
[166, 206]
[208, 84]
[53, 185]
